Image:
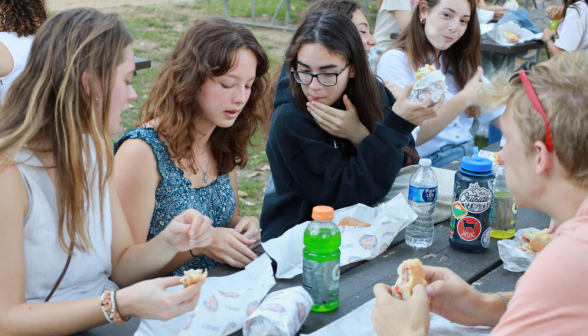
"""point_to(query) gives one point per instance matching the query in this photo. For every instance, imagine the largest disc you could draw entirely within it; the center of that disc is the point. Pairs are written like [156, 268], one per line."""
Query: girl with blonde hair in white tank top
[58, 201]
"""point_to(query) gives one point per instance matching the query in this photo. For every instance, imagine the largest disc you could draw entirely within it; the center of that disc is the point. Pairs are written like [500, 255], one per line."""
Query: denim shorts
[450, 153]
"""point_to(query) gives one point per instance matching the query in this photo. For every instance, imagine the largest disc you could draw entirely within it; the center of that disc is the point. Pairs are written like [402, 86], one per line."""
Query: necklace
[204, 173]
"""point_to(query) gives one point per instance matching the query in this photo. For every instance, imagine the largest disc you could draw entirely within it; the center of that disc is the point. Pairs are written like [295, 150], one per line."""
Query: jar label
[321, 279]
[476, 199]
[469, 228]
[422, 195]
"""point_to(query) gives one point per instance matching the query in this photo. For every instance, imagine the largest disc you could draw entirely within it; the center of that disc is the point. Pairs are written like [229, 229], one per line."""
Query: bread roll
[350, 221]
[410, 274]
[193, 276]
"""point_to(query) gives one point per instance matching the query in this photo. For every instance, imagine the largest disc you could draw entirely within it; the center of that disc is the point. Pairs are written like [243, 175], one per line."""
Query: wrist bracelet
[109, 309]
[504, 299]
[192, 254]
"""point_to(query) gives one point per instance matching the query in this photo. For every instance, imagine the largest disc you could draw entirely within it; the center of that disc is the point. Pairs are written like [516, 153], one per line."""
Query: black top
[310, 167]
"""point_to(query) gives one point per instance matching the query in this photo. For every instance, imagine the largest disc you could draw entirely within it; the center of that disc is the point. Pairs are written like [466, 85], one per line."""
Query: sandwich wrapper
[516, 260]
[359, 323]
[357, 243]
[434, 83]
[485, 16]
[281, 313]
[224, 305]
[525, 35]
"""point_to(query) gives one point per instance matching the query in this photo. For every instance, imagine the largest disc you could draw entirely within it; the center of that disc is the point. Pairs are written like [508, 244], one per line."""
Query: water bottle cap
[425, 162]
[322, 212]
[476, 165]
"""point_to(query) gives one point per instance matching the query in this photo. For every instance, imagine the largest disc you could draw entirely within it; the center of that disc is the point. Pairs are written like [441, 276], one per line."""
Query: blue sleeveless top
[175, 194]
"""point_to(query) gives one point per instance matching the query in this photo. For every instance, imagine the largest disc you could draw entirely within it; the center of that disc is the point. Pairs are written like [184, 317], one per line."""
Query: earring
[422, 21]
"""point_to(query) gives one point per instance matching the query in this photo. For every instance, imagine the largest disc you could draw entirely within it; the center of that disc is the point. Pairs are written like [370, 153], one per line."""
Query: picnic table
[483, 270]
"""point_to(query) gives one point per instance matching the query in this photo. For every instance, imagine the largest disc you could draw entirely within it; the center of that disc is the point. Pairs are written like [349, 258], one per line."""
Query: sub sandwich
[511, 37]
[350, 221]
[536, 241]
[410, 274]
[193, 276]
[422, 72]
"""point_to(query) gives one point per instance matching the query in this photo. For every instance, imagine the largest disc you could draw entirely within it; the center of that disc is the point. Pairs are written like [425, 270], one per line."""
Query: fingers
[406, 91]
[348, 104]
[169, 281]
[242, 225]
[382, 291]
[433, 273]
[552, 227]
[203, 229]
[234, 263]
[244, 255]
[326, 126]
[478, 75]
[419, 294]
[427, 101]
[328, 117]
[187, 293]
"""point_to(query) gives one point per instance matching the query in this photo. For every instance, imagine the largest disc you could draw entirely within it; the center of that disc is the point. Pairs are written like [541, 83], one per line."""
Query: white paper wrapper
[525, 34]
[224, 305]
[281, 313]
[434, 83]
[485, 16]
[359, 323]
[357, 243]
[516, 260]
[512, 5]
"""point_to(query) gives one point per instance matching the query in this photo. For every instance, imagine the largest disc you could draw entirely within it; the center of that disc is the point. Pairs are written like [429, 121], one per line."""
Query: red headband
[537, 106]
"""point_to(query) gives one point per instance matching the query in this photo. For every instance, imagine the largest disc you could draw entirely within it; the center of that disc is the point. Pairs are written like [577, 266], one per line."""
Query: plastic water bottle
[422, 196]
[504, 210]
[321, 256]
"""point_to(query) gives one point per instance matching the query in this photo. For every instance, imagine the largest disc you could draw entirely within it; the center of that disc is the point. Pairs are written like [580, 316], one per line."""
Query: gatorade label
[321, 280]
[422, 195]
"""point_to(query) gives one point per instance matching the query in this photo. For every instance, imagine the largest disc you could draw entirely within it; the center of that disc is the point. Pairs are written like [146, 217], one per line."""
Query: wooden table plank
[499, 280]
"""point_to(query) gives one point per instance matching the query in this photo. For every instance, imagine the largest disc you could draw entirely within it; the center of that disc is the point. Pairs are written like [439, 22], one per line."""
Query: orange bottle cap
[322, 213]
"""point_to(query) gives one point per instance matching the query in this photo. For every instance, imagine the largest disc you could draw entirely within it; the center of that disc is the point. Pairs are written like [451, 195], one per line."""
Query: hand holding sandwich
[457, 301]
[413, 111]
[393, 317]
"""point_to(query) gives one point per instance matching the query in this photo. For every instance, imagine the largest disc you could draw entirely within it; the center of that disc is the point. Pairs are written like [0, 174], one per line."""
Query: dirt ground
[57, 5]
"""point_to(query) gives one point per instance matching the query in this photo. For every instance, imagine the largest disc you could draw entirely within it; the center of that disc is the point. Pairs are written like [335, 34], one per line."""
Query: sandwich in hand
[350, 221]
[193, 276]
[511, 37]
[536, 241]
[410, 274]
[422, 72]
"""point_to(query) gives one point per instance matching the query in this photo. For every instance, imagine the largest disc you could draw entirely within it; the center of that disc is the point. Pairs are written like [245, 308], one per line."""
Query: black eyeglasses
[325, 78]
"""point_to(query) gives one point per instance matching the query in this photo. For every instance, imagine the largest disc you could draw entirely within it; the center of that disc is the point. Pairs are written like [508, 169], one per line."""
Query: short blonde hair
[562, 87]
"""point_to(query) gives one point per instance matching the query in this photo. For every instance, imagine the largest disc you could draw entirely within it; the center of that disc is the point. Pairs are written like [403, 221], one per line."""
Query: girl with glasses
[349, 155]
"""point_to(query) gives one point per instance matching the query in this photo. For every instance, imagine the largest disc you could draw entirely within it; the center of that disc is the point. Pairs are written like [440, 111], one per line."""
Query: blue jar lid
[475, 165]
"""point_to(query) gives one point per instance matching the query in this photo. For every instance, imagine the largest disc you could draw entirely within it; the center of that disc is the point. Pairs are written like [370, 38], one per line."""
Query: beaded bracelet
[504, 299]
[108, 305]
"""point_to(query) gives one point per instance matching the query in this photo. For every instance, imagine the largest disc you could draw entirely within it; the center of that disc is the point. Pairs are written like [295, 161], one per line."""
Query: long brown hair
[461, 60]
[47, 106]
[362, 90]
[23, 17]
[208, 49]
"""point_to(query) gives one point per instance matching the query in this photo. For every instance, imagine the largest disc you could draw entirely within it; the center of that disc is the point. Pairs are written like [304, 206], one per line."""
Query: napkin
[357, 243]
[516, 260]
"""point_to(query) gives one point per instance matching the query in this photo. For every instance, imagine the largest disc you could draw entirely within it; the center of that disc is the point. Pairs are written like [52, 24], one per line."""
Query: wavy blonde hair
[47, 106]
[560, 84]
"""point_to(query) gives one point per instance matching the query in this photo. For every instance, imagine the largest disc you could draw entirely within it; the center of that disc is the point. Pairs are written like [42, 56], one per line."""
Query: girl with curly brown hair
[197, 122]
[19, 21]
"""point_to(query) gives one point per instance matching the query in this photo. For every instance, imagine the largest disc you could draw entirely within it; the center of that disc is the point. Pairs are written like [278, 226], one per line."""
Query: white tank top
[19, 48]
[87, 275]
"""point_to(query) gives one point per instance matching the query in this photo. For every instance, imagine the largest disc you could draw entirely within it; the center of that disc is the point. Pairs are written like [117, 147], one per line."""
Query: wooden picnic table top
[483, 270]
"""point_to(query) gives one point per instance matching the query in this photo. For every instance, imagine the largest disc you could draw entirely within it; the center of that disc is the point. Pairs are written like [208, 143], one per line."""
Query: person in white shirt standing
[572, 32]
[445, 33]
[19, 21]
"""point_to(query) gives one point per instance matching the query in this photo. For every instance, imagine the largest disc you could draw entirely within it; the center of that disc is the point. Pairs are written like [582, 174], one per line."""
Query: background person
[446, 34]
[549, 176]
[197, 122]
[19, 21]
[58, 199]
[572, 32]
